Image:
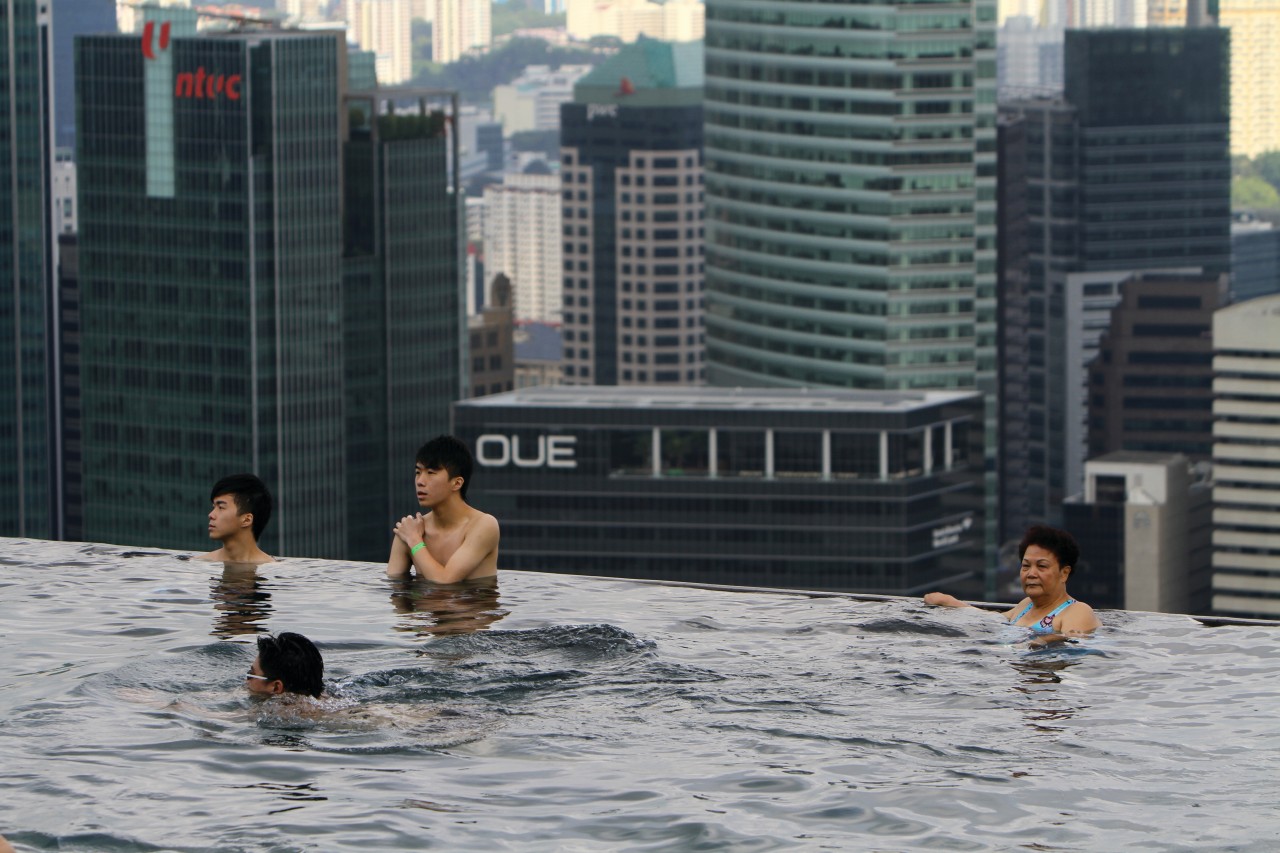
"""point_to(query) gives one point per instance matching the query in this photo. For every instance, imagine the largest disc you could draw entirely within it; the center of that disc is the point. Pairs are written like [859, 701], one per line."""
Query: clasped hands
[412, 529]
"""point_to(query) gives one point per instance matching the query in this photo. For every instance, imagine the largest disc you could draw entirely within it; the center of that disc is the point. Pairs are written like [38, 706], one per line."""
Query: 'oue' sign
[547, 451]
[200, 84]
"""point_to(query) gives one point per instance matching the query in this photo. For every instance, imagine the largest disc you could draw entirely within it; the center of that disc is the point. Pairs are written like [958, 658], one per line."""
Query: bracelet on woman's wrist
[416, 548]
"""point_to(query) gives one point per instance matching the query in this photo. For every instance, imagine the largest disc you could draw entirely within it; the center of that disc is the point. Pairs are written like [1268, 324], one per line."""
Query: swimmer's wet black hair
[449, 453]
[1060, 543]
[294, 660]
[250, 495]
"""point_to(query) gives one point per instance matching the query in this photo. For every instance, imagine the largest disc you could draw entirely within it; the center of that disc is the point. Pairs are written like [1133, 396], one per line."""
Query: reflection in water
[1041, 678]
[240, 602]
[298, 794]
[444, 610]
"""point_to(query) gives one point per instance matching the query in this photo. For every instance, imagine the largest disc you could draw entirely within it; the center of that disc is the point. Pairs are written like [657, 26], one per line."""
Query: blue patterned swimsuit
[1045, 625]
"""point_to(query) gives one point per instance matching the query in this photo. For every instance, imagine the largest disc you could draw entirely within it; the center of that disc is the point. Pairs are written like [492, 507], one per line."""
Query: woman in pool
[1048, 558]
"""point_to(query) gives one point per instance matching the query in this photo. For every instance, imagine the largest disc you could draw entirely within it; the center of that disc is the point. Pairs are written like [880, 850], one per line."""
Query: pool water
[567, 713]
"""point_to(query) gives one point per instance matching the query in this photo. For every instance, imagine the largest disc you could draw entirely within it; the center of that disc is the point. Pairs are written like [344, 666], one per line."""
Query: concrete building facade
[627, 20]
[522, 241]
[1255, 68]
[532, 101]
[1144, 523]
[458, 28]
[1246, 459]
[384, 28]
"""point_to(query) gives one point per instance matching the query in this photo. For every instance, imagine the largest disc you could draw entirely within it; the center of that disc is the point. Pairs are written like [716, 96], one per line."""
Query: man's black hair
[294, 660]
[250, 495]
[447, 452]
[1060, 543]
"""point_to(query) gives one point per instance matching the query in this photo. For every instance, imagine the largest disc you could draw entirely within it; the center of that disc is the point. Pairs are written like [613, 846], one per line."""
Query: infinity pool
[568, 713]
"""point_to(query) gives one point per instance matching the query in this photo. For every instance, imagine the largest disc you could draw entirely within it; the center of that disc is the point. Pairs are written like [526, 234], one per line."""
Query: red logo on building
[198, 84]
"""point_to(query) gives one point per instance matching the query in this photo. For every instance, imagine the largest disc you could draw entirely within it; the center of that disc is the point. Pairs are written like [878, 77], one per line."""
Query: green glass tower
[26, 448]
[215, 302]
[851, 197]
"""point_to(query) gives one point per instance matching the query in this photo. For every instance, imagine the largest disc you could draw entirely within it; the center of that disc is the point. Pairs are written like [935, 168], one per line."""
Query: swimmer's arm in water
[941, 599]
[165, 702]
[480, 542]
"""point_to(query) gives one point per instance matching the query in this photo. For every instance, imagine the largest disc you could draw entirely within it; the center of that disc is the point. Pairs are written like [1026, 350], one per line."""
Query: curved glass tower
[850, 152]
[850, 182]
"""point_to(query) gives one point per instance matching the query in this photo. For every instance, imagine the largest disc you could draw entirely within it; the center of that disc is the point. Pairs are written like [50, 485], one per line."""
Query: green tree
[1253, 194]
[1268, 167]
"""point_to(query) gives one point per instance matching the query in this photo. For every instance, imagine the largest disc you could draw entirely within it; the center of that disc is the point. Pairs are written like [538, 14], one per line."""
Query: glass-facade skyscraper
[1129, 171]
[26, 396]
[851, 197]
[221, 290]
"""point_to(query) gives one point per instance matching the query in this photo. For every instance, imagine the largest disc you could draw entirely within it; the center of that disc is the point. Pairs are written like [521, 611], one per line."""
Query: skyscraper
[1128, 172]
[383, 27]
[458, 27]
[851, 198]
[225, 302]
[401, 298]
[1255, 70]
[27, 396]
[631, 168]
[522, 241]
[1246, 457]
[1150, 388]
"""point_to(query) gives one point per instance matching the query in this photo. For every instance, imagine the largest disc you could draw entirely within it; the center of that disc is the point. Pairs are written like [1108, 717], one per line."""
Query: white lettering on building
[595, 111]
[549, 451]
[949, 534]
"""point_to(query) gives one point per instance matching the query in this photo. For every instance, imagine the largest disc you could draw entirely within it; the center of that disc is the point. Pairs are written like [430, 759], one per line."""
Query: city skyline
[922, 256]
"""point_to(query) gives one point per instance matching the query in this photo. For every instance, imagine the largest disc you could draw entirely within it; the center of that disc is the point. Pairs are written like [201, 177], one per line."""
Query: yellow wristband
[416, 548]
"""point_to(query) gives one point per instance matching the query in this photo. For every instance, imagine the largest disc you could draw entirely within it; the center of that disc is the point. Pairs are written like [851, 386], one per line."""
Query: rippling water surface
[561, 713]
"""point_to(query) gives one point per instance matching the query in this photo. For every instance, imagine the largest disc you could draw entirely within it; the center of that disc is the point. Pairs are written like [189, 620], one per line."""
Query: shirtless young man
[453, 541]
[241, 510]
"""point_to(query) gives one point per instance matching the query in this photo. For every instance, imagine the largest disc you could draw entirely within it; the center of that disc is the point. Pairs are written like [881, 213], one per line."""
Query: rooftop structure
[862, 491]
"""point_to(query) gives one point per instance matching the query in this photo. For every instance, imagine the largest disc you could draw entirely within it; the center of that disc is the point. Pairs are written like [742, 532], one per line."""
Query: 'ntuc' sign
[200, 84]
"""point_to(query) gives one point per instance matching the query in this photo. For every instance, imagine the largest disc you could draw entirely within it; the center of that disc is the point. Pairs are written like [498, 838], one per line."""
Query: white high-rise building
[1246, 458]
[302, 11]
[459, 27]
[384, 27]
[675, 20]
[532, 101]
[522, 241]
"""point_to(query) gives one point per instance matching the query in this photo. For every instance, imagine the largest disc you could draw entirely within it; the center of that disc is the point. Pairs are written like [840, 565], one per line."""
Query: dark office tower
[1012, 296]
[851, 198]
[1151, 385]
[1255, 260]
[1155, 172]
[402, 300]
[1130, 172]
[69, 422]
[73, 18]
[26, 448]
[211, 280]
[631, 153]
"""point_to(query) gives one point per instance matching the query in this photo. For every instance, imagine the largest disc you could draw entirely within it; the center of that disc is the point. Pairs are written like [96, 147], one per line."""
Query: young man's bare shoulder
[481, 521]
